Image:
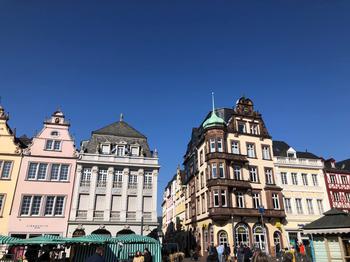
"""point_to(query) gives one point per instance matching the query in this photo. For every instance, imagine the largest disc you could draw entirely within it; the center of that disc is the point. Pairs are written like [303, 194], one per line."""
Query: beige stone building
[230, 178]
[301, 176]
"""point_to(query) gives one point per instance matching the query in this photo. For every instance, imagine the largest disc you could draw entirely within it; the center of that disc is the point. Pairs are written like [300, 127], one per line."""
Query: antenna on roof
[213, 101]
[121, 119]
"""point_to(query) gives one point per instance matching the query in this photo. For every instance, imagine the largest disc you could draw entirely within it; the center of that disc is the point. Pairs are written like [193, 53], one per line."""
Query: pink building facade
[45, 183]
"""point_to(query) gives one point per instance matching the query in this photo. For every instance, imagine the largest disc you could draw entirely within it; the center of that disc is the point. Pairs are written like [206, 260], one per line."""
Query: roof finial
[213, 102]
[121, 117]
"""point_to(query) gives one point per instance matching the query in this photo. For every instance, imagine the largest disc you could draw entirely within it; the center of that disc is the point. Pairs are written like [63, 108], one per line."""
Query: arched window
[222, 237]
[242, 234]
[277, 241]
[259, 237]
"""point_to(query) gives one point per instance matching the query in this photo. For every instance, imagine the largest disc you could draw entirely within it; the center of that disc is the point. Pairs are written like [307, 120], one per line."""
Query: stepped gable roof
[118, 132]
[120, 128]
[332, 219]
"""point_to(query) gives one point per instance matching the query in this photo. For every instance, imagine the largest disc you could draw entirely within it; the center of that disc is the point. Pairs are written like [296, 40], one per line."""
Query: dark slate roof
[24, 141]
[343, 165]
[280, 148]
[121, 129]
[116, 133]
[333, 218]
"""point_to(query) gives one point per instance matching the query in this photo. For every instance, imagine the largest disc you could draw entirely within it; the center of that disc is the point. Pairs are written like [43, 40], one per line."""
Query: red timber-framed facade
[229, 175]
[337, 177]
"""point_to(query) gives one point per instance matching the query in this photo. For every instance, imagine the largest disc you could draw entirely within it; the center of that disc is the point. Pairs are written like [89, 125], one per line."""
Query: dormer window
[333, 164]
[254, 129]
[54, 133]
[105, 149]
[54, 145]
[120, 150]
[291, 153]
[241, 127]
[135, 151]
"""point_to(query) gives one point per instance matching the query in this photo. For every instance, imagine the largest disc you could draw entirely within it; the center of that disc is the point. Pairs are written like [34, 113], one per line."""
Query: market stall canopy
[6, 240]
[94, 239]
[334, 221]
[40, 240]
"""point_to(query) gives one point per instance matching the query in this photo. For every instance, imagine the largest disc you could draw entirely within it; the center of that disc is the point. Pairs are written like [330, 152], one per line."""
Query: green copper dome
[213, 120]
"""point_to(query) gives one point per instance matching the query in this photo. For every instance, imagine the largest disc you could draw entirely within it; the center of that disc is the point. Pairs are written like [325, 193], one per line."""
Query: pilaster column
[154, 194]
[107, 213]
[124, 194]
[92, 193]
[75, 195]
[139, 200]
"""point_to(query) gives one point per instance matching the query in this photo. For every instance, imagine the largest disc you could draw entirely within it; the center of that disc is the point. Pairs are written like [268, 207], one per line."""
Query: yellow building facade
[301, 176]
[10, 161]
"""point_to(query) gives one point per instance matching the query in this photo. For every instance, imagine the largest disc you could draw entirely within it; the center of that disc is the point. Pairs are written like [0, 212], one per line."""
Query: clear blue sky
[158, 61]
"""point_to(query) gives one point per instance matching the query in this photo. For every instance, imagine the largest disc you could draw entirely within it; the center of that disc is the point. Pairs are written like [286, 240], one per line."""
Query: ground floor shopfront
[269, 238]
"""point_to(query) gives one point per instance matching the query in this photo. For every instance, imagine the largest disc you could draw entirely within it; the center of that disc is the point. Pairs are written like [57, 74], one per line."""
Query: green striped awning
[7, 239]
[97, 239]
[43, 240]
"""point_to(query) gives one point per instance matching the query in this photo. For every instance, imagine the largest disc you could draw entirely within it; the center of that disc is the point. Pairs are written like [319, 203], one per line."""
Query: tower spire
[121, 119]
[213, 101]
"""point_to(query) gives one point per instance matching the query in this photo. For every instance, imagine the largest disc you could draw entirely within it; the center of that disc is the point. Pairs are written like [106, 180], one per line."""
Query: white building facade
[116, 183]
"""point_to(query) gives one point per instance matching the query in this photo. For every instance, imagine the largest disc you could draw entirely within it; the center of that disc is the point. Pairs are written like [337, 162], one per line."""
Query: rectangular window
[202, 179]
[240, 199]
[147, 180]
[53, 145]
[241, 127]
[256, 200]
[105, 149]
[42, 171]
[216, 198]
[251, 150]
[288, 205]
[235, 147]
[35, 210]
[64, 172]
[49, 144]
[344, 180]
[201, 158]
[85, 177]
[320, 206]
[266, 152]
[132, 182]
[32, 170]
[203, 204]
[134, 151]
[347, 196]
[221, 170]
[284, 178]
[304, 178]
[332, 178]
[25, 208]
[253, 173]
[336, 196]
[314, 179]
[212, 145]
[310, 207]
[120, 150]
[57, 145]
[55, 169]
[2, 200]
[5, 169]
[220, 149]
[59, 206]
[223, 198]
[50, 202]
[269, 176]
[102, 178]
[254, 129]
[237, 172]
[118, 178]
[299, 205]
[294, 178]
[275, 201]
[213, 170]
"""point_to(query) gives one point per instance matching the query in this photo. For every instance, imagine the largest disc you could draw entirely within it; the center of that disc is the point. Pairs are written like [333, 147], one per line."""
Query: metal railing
[81, 214]
[98, 215]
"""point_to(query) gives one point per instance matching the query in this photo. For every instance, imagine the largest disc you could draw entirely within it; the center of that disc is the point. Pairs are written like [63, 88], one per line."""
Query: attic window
[54, 133]
[120, 150]
[292, 155]
[333, 164]
[105, 149]
[134, 150]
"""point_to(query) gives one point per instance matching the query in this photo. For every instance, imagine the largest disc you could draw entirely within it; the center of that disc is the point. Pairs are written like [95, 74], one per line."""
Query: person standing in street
[98, 256]
[220, 249]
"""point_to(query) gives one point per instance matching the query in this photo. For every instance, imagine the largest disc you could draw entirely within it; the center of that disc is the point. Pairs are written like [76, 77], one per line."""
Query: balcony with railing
[147, 186]
[227, 156]
[98, 215]
[115, 216]
[226, 212]
[244, 184]
[81, 215]
[101, 183]
[304, 162]
[131, 216]
[132, 186]
[147, 216]
[117, 184]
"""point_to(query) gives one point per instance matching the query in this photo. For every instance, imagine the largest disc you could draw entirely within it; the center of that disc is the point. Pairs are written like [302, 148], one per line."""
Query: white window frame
[275, 201]
[342, 178]
[216, 196]
[333, 179]
[294, 178]
[52, 147]
[251, 150]
[2, 202]
[137, 153]
[147, 180]
[235, 147]
[256, 200]
[223, 196]
[304, 178]
[120, 150]
[85, 178]
[212, 147]
[105, 149]
[132, 181]
[214, 168]
[299, 205]
[284, 178]
[220, 145]
[336, 196]
[315, 179]
[102, 178]
[2, 169]
[288, 205]
[310, 207]
[240, 200]
[320, 206]
[269, 176]
[221, 170]
[237, 172]
[266, 152]
[253, 174]
[254, 129]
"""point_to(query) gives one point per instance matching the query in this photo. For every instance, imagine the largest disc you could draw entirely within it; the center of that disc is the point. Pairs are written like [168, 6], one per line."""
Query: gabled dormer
[291, 153]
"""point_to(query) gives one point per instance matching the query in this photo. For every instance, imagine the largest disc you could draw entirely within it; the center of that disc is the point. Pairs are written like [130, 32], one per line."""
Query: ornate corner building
[231, 191]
